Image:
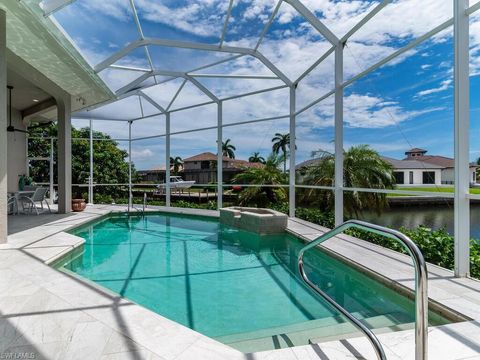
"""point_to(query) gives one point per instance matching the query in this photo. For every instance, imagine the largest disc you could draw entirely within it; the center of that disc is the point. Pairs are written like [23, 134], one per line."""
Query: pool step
[348, 333]
[310, 332]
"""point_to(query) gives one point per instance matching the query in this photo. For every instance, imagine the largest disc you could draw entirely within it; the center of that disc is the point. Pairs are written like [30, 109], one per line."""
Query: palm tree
[228, 149]
[280, 143]
[362, 168]
[269, 174]
[256, 158]
[176, 162]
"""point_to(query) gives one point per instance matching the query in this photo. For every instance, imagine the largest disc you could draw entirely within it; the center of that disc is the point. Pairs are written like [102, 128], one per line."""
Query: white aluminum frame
[460, 22]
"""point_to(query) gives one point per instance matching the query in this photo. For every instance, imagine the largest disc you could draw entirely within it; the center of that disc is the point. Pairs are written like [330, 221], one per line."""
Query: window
[410, 177]
[429, 177]
[399, 177]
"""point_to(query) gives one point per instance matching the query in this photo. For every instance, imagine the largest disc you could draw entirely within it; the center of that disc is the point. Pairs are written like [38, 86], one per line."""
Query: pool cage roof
[141, 47]
[224, 45]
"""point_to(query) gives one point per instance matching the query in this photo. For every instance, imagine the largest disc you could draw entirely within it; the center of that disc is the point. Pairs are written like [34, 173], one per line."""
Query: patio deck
[57, 316]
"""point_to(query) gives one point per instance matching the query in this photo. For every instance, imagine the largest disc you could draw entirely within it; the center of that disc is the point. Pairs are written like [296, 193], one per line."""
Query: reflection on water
[435, 217]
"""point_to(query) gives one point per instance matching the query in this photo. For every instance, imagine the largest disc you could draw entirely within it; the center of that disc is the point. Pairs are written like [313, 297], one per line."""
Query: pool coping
[154, 336]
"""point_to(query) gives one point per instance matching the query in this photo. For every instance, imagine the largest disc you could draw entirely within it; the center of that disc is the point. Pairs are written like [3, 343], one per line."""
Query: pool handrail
[421, 290]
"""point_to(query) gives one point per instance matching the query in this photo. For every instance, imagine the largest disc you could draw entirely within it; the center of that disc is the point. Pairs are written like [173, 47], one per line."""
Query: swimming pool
[232, 285]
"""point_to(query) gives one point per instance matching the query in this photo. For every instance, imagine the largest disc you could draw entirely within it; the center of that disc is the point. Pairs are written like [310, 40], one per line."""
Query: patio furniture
[37, 197]
[12, 202]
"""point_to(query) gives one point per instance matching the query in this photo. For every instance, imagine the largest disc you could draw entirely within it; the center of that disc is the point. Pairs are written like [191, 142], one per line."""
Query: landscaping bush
[437, 246]
[211, 205]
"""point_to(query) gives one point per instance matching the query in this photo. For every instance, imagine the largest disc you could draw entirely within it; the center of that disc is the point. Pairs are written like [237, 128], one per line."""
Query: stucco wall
[448, 176]
[16, 153]
[418, 176]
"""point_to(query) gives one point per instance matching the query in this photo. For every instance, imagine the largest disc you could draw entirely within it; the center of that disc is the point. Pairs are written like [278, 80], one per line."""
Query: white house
[417, 168]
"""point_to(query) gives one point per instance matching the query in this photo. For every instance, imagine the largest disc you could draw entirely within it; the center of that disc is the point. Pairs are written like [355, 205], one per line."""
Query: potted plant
[78, 203]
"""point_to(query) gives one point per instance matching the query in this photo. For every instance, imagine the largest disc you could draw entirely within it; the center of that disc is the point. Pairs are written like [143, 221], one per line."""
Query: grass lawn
[442, 189]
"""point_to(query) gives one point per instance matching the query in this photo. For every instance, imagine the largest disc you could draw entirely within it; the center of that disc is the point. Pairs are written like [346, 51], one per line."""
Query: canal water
[432, 216]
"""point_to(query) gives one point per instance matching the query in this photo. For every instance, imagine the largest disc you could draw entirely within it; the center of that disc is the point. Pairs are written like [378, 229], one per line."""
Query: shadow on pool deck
[22, 222]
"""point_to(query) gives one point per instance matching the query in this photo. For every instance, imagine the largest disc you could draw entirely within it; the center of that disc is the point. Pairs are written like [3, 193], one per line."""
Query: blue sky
[406, 103]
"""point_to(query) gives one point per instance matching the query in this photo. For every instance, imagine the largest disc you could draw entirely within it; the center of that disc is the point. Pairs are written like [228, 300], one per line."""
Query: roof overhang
[36, 40]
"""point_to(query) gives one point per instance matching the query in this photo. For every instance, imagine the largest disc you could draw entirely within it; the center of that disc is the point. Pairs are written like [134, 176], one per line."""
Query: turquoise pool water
[230, 284]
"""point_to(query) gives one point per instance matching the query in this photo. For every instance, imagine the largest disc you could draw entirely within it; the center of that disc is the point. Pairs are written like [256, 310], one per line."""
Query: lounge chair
[37, 197]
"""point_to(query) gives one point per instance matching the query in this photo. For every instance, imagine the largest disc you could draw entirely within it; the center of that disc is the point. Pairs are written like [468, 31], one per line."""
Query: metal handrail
[421, 291]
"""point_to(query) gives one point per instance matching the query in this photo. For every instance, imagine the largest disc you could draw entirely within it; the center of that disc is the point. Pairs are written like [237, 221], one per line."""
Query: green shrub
[437, 246]
[211, 205]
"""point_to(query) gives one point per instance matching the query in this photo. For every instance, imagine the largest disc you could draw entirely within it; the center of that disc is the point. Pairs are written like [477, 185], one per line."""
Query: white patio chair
[37, 197]
[12, 202]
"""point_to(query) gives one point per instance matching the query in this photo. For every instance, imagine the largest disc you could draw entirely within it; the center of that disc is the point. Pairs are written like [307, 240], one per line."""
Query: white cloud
[142, 154]
[360, 111]
[444, 85]
[204, 18]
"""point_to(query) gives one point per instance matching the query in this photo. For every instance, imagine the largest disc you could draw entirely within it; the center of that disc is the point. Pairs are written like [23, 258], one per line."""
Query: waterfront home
[202, 168]
[417, 168]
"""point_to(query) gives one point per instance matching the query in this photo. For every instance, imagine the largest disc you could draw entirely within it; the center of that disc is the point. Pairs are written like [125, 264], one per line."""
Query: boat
[176, 182]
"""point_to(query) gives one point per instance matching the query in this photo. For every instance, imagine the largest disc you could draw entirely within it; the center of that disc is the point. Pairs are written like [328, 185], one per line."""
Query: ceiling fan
[10, 127]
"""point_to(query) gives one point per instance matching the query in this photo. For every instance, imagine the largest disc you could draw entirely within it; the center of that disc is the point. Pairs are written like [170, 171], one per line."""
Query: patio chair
[12, 202]
[37, 197]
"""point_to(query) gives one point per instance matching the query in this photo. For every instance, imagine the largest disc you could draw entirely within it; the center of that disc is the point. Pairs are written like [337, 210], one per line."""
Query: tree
[176, 162]
[281, 142]
[478, 169]
[110, 164]
[228, 149]
[362, 168]
[256, 158]
[268, 174]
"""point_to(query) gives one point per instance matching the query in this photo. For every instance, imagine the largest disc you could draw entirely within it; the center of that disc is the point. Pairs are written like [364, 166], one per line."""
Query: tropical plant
[363, 168]
[281, 143]
[228, 149]
[176, 162]
[268, 174]
[256, 158]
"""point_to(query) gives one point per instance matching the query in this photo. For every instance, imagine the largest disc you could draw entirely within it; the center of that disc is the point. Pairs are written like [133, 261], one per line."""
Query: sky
[406, 103]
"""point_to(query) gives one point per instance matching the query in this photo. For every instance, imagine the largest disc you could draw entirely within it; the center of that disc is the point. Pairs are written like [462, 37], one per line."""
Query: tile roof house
[417, 168]
[202, 168]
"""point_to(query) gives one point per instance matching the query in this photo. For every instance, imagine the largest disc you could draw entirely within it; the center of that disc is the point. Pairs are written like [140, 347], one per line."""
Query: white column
[291, 181]
[219, 155]
[90, 181]
[338, 135]
[167, 160]
[461, 151]
[129, 165]
[64, 154]
[3, 126]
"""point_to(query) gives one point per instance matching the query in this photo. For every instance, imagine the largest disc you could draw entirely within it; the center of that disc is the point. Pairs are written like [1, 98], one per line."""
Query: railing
[144, 205]
[421, 295]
